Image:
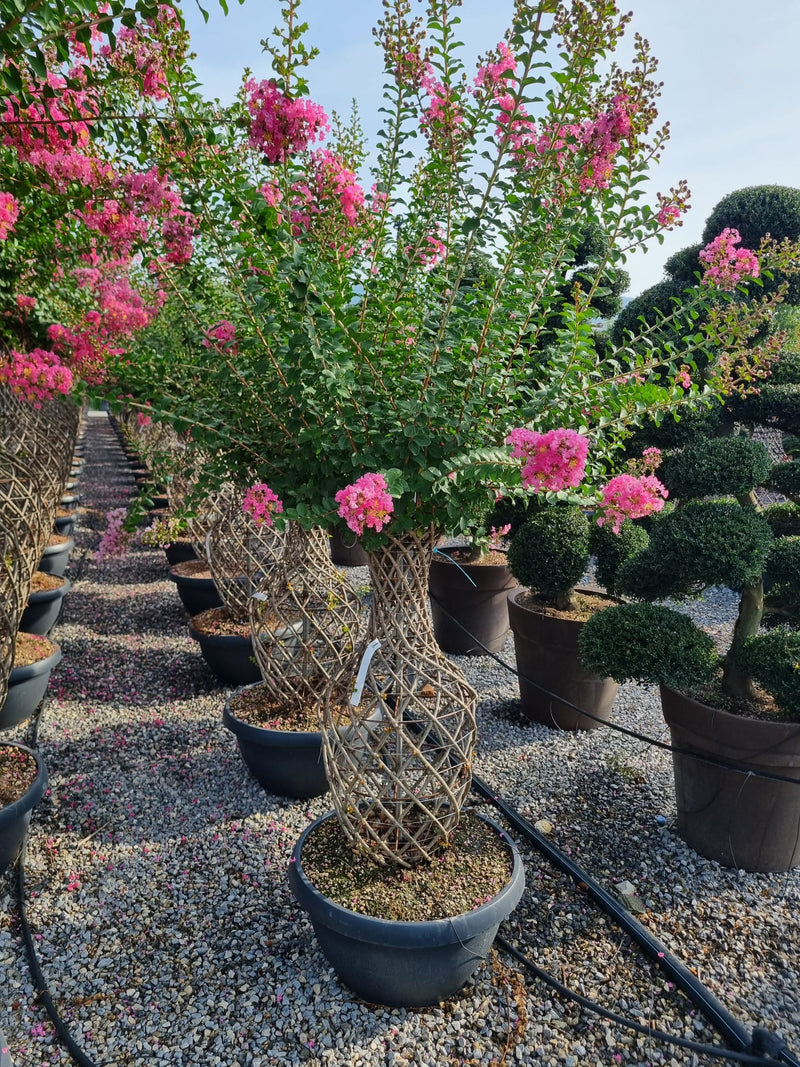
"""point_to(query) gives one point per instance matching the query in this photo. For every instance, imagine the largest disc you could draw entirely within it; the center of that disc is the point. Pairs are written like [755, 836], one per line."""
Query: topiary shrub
[785, 478]
[787, 370]
[612, 550]
[704, 543]
[649, 644]
[549, 553]
[783, 518]
[782, 574]
[716, 467]
[773, 659]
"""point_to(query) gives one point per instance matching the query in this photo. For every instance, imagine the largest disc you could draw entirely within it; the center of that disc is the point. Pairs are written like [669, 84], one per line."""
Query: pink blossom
[36, 375]
[626, 496]
[116, 540]
[262, 503]
[221, 335]
[493, 73]
[9, 213]
[683, 378]
[365, 503]
[281, 127]
[554, 460]
[727, 265]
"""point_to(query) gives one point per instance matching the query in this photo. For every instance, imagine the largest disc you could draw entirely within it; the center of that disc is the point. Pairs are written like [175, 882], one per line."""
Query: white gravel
[160, 908]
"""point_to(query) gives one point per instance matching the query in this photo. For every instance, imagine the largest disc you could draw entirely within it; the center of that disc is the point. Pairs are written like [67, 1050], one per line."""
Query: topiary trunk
[751, 608]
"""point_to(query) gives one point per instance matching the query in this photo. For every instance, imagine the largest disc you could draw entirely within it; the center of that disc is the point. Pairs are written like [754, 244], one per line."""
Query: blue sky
[729, 67]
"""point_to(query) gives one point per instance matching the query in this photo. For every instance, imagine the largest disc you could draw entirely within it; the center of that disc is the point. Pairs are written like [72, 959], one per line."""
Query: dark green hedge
[718, 466]
[647, 643]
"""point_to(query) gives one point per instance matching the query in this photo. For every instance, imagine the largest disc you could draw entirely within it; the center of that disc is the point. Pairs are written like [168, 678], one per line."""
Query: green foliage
[783, 518]
[682, 266]
[786, 371]
[773, 659]
[785, 478]
[647, 643]
[649, 308]
[549, 552]
[698, 545]
[775, 405]
[782, 576]
[719, 466]
[611, 549]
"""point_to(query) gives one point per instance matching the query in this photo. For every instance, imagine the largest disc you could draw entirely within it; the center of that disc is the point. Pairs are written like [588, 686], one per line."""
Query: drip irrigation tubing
[735, 1033]
[711, 760]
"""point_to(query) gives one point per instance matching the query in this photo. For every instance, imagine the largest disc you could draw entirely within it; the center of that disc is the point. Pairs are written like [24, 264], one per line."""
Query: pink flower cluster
[262, 503]
[554, 460]
[280, 126]
[116, 540]
[221, 335]
[365, 503]
[9, 213]
[433, 250]
[629, 497]
[443, 112]
[36, 376]
[329, 182]
[727, 265]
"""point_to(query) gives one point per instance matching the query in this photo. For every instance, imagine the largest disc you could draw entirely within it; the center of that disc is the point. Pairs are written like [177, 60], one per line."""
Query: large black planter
[403, 964]
[285, 762]
[15, 818]
[56, 557]
[180, 552]
[44, 609]
[228, 656]
[469, 604]
[26, 687]
[548, 663]
[343, 552]
[197, 593]
[728, 815]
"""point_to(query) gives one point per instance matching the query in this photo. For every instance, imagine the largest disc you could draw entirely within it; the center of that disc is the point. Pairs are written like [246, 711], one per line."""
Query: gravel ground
[160, 908]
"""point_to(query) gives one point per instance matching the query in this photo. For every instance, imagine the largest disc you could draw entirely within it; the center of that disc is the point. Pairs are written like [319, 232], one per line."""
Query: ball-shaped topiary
[783, 518]
[549, 552]
[773, 659]
[647, 643]
[782, 574]
[704, 543]
[785, 478]
[756, 211]
[611, 549]
[716, 467]
[787, 369]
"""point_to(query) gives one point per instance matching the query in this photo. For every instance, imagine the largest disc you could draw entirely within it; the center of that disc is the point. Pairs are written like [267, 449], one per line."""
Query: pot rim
[33, 670]
[51, 594]
[29, 799]
[429, 933]
[257, 734]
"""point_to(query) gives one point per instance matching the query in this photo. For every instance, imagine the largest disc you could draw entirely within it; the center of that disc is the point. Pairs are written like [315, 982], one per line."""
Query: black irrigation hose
[761, 1041]
[39, 981]
[711, 760]
[639, 1028]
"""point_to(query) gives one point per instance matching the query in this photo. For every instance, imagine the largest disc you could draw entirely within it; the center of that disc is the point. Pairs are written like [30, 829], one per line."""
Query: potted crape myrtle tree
[733, 713]
[367, 389]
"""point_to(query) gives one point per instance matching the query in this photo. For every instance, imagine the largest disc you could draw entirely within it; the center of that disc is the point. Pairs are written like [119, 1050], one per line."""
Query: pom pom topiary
[612, 550]
[647, 643]
[549, 552]
[716, 467]
[773, 659]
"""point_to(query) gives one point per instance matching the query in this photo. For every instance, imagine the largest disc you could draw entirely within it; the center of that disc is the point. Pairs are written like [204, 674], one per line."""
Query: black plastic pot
[469, 604]
[44, 609]
[403, 964]
[285, 762]
[65, 524]
[26, 687]
[728, 815]
[55, 558]
[546, 649]
[180, 552]
[197, 593]
[15, 818]
[343, 552]
[228, 656]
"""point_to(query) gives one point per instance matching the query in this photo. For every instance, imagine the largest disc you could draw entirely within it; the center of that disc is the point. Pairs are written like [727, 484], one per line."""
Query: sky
[731, 89]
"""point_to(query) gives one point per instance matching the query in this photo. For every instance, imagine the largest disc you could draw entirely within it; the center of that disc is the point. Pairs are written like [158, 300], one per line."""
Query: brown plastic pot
[548, 663]
[731, 815]
[469, 603]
